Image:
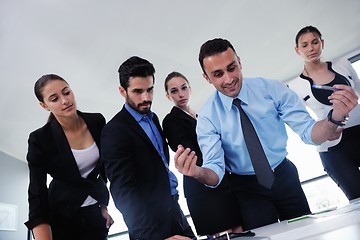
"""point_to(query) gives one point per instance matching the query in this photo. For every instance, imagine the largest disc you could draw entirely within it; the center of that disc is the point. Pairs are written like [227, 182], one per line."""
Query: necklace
[307, 73]
[193, 115]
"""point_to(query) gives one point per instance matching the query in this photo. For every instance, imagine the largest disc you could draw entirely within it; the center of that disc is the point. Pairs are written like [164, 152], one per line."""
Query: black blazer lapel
[130, 120]
[165, 146]
[93, 127]
[138, 129]
[93, 124]
[64, 149]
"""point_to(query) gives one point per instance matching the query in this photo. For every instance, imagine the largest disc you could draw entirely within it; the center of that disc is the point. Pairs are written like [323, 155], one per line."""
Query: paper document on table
[354, 117]
[337, 212]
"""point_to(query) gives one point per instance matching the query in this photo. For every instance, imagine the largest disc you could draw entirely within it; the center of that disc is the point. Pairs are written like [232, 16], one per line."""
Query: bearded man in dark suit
[136, 158]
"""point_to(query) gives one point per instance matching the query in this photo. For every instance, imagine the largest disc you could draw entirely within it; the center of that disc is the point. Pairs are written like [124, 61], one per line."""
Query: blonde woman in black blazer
[67, 148]
[179, 128]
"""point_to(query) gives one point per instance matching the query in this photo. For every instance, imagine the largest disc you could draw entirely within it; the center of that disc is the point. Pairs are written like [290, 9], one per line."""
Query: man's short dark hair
[135, 67]
[213, 47]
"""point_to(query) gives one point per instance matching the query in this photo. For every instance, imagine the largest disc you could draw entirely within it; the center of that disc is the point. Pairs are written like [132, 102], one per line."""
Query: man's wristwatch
[339, 123]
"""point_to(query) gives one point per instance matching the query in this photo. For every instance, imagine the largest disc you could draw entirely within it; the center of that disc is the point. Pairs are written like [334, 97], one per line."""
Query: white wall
[13, 191]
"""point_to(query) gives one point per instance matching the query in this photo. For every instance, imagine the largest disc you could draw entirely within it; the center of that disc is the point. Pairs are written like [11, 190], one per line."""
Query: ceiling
[85, 41]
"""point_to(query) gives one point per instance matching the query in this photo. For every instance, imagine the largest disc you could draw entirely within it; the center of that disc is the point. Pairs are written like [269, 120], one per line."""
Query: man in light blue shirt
[269, 105]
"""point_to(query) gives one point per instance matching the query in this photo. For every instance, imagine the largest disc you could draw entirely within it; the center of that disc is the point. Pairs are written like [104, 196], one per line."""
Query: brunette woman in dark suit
[213, 210]
[66, 148]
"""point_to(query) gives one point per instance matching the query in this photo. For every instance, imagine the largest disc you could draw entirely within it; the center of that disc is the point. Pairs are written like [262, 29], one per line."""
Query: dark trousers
[219, 203]
[261, 206]
[86, 224]
[175, 224]
[342, 162]
[180, 225]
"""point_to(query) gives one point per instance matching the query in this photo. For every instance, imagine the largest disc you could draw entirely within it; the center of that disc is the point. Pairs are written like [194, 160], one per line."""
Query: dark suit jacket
[179, 128]
[49, 153]
[139, 179]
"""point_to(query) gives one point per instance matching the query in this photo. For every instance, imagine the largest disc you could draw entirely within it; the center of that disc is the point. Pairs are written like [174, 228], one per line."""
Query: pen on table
[324, 87]
[298, 219]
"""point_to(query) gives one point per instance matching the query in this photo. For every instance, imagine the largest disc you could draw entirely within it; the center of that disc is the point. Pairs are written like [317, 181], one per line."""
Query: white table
[342, 223]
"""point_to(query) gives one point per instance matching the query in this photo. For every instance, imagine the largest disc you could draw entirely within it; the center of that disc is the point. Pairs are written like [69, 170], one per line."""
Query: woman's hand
[343, 100]
[106, 215]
